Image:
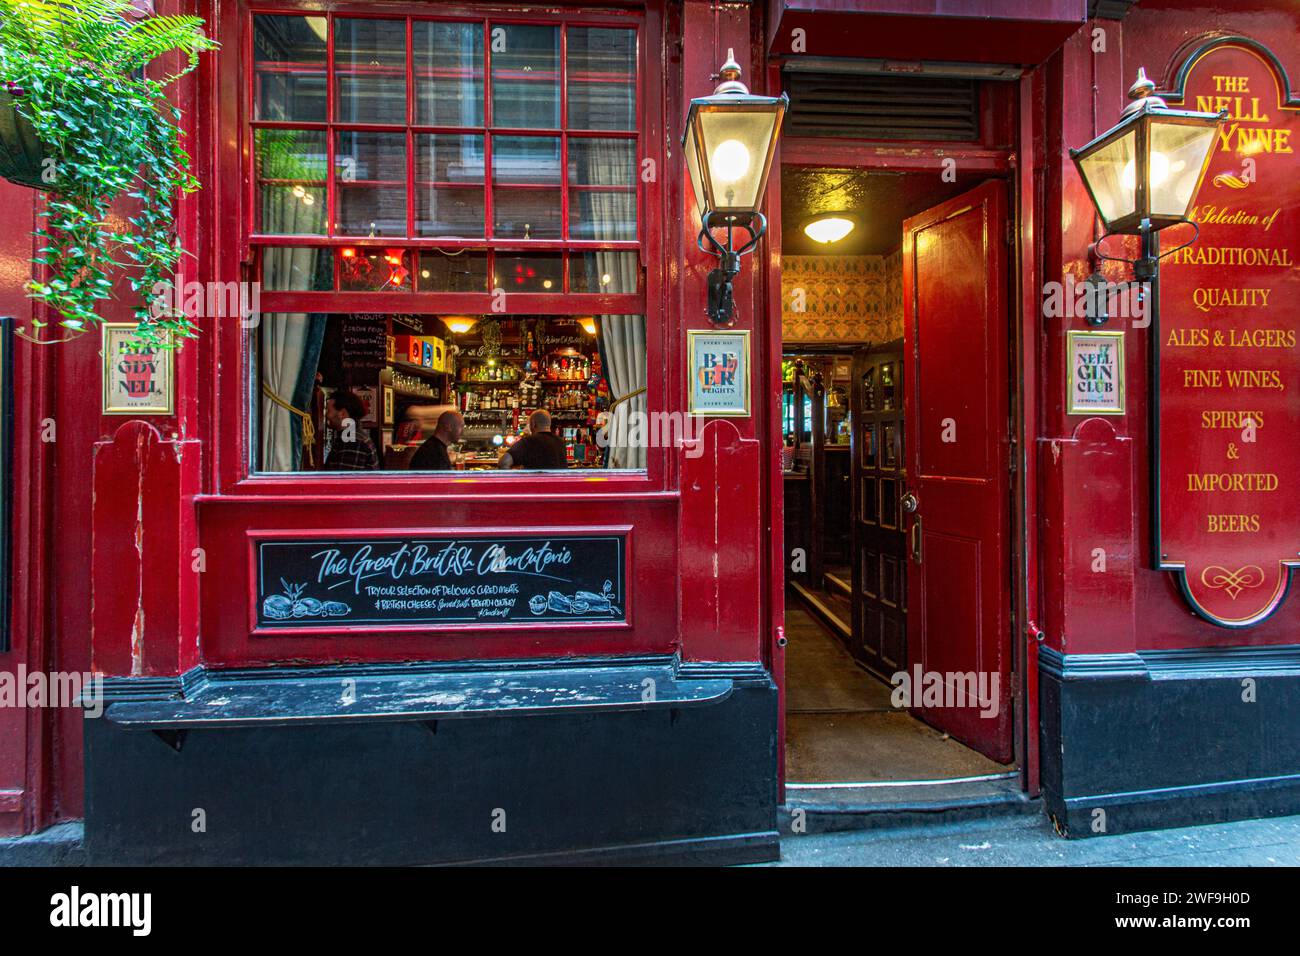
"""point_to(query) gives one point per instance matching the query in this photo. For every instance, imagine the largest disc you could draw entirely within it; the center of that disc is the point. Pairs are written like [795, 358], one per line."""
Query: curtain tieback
[308, 429]
[630, 395]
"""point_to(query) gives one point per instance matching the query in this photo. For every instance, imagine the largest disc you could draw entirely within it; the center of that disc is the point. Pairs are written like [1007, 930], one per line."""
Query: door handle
[916, 540]
[910, 503]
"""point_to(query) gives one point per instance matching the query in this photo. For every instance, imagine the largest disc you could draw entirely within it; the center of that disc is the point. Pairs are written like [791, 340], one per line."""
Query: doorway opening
[896, 423]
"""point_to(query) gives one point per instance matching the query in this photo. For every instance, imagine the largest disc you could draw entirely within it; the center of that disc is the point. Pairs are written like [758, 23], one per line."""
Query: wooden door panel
[879, 567]
[956, 431]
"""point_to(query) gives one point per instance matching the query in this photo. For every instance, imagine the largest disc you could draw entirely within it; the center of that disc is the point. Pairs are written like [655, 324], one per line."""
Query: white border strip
[900, 783]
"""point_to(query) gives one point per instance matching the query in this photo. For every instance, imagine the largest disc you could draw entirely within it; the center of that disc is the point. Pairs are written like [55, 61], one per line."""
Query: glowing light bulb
[299, 191]
[1160, 170]
[828, 229]
[730, 161]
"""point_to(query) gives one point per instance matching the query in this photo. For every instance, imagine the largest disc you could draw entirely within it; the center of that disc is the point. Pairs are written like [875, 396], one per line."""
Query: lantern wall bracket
[1147, 262]
[721, 303]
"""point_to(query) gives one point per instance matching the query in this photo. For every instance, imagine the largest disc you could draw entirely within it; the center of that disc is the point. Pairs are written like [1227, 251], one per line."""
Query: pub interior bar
[651, 429]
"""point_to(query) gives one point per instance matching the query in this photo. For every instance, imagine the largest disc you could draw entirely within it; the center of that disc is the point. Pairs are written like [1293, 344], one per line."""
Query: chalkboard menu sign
[310, 584]
[365, 341]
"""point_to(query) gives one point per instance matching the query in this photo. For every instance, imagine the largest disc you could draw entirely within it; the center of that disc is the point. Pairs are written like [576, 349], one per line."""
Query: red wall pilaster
[723, 562]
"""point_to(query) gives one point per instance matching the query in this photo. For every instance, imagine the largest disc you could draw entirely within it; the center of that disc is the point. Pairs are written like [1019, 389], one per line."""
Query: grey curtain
[290, 353]
[621, 338]
[622, 350]
[290, 344]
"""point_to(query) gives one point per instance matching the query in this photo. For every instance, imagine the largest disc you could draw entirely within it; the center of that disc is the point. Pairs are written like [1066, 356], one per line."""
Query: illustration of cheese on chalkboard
[583, 602]
[292, 604]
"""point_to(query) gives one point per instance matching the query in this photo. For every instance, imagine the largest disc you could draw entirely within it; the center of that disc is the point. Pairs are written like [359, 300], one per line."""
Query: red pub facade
[1118, 565]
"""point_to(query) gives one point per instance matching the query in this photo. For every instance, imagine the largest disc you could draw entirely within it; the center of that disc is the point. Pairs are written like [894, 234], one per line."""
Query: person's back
[538, 451]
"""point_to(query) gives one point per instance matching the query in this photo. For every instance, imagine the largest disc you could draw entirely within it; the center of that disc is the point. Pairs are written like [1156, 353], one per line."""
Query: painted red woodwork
[1228, 350]
[955, 407]
[969, 31]
[24, 734]
[145, 570]
[1086, 476]
[722, 543]
[1026, 416]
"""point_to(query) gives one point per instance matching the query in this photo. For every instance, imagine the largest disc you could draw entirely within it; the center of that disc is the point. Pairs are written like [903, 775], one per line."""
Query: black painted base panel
[690, 785]
[1168, 739]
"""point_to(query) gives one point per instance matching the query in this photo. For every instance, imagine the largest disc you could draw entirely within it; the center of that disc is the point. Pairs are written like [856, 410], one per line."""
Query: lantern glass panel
[693, 167]
[1177, 157]
[1111, 172]
[735, 149]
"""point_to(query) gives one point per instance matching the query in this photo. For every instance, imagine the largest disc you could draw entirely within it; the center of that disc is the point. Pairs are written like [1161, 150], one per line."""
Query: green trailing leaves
[77, 73]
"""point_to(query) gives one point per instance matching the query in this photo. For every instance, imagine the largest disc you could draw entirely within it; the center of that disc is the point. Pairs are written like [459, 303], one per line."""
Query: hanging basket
[22, 154]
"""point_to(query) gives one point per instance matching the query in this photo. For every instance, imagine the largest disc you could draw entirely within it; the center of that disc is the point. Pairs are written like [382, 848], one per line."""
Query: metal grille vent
[864, 106]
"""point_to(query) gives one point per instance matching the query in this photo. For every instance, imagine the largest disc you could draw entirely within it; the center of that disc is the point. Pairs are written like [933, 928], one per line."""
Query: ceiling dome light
[459, 324]
[827, 229]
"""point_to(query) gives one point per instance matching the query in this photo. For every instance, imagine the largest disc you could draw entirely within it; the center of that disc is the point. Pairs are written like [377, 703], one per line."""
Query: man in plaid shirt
[351, 449]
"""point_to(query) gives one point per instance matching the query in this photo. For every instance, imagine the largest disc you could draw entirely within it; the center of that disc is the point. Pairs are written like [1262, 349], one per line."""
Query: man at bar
[432, 455]
[539, 449]
[352, 449]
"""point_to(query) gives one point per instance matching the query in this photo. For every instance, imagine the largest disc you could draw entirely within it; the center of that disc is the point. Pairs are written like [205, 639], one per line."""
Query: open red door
[956, 424]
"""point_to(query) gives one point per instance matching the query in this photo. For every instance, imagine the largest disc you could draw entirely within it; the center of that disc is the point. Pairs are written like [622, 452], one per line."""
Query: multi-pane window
[461, 149]
[460, 162]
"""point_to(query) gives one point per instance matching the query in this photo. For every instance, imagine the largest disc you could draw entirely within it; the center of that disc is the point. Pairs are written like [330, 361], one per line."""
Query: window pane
[291, 181]
[525, 77]
[606, 272]
[528, 272]
[602, 189]
[526, 161]
[449, 194]
[575, 367]
[370, 177]
[297, 269]
[601, 78]
[448, 73]
[374, 270]
[289, 68]
[464, 271]
[370, 70]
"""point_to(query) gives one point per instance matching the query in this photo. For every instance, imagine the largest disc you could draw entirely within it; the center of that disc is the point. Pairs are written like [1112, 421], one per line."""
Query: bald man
[539, 448]
[432, 455]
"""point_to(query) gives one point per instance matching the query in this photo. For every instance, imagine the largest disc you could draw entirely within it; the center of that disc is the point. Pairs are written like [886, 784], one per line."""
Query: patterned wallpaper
[842, 298]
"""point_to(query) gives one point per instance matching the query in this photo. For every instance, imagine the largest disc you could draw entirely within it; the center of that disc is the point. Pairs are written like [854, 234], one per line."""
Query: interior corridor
[841, 727]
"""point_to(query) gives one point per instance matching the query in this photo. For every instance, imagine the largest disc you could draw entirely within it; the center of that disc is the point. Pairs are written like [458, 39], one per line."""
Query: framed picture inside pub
[719, 370]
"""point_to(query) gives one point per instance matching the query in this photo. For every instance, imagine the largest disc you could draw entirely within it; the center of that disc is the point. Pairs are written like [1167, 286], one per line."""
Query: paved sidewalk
[1030, 841]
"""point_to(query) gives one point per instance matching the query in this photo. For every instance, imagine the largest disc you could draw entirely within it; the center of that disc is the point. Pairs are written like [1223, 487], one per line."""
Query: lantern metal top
[730, 76]
[1142, 95]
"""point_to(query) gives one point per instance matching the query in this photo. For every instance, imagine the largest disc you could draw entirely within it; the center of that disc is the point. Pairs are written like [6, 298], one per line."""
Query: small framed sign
[137, 380]
[388, 405]
[719, 370]
[1095, 373]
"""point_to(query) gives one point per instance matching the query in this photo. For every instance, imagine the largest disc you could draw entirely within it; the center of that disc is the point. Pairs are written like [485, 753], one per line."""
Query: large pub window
[446, 222]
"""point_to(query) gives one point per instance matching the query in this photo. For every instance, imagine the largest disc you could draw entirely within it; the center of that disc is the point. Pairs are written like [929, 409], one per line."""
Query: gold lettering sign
[1227, 495]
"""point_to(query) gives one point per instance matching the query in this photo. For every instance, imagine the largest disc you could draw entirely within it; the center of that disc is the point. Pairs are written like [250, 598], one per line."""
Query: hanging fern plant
[79, 83]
